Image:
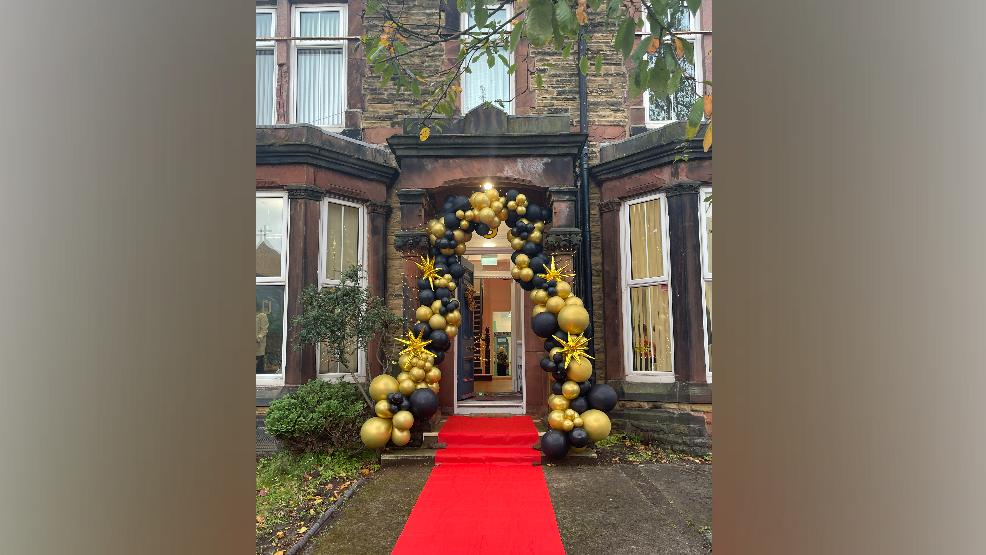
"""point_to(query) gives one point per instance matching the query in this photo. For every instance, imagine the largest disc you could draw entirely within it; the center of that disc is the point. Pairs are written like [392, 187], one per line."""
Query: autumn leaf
[707, 141]
[654, 45]
[678, 48]
[424, 134]
[302, 530]
[281, 552]
[260, 519]
[708, 105]
[280, 534]
[457, 89]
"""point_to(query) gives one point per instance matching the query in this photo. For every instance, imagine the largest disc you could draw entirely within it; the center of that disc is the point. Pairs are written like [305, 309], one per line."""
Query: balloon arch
[578, 407]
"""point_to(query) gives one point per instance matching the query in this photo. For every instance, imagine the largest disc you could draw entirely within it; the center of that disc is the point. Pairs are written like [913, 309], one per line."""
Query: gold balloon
[539, 226]
[452, 331]
[481, 201]
[563, 289]
[381, 386]
[433, 386]
[521, 200]
[572, 299]
[496, 206]
[495, 224]
[463, 224]
[526, 274]
[460, 236]
[428, 366]
[596, 424]
[558, 402]
[551, 354]
[493, 194]
[554, 305]
[451, 285]
[567, 425]
[407, 386]
[403, 376]
[433, 375]
[402, 362]
[419, 363]
[486, 216]
[534, 237]
[579, 371]
[521, 210]
[453, 317]
[432, 239]
[573, 319]
[470, 215]
[440, 283]
[516, 243]
[577, 421]
[375, 432]
[511, 205]
[538, 309]
[574, 449]
[460, 249]
[555, 418]
[417, 374]
[420, 385]
[503, 214]
[400, 437]
[437, 322]
[570, 413]
[522, 261]
[515, 271]
[382, 408]
[423, 313]
[438, 230]
[403, 420]
[539, 296]
[570, 390]
[448, 252]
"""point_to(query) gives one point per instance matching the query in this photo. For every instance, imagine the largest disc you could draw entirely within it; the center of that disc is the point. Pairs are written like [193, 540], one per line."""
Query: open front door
[464, 376]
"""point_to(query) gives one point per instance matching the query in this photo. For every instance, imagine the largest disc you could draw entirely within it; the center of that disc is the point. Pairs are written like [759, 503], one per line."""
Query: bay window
[319, 65]
[271, 285]
[265, 67]
[483, 82]
[677, 105]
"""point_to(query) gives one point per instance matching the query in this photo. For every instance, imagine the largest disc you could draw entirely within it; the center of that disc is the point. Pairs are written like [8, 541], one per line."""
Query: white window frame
[269, 45]
[627, 283]
[706, 274]
[296, 45]
[699, 74]
[323, 281]
[278, 379]
[511, 79]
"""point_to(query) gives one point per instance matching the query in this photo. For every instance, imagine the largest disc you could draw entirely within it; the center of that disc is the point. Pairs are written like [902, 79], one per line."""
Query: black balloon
[533, 213]
[442, 269]
[405, 405]
[394, 408]
[538, 281]
[449, 234]
[512, 218]
[537, 264]
[579, 405]
[439, 340]
[423, 284]
[451, 222]
[457, 270]
[552, 291]
[440, 260]
[424, 403]
[426, 296]
[421, 326]
[442, 311]
[544, 324]
[544, 364]
[439, 356]
[558, 358]
[453, 304]
[602, 397]
[531, 249]
[551, 343]
[434, 251]
[513, 257]
[442, 293]
[523, 235]
[556, 388]
[578, 437]
[462, 203]
[584, 387]
[482, 228]
[554, 444]
[526, 285]
[550, 365]
[559, 376]
[512, 194]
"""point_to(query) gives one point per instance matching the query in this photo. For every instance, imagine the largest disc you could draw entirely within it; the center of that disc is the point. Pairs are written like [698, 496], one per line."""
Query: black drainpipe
[585, 249]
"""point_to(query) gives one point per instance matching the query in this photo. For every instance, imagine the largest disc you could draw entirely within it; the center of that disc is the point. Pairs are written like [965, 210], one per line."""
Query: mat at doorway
[484, 497]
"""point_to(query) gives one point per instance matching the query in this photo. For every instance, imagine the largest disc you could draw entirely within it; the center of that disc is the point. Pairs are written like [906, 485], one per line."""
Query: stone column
[412, 242]
[301, 366]
[686, 278]
[377, 214]
[563, 239]
[609, 213]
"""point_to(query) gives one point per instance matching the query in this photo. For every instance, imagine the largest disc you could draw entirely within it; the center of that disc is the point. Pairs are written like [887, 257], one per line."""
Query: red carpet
[485, 497]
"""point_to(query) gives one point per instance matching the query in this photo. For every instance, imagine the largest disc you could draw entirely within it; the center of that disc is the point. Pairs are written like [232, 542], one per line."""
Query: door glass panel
[650, 329]
[270, 236]
[270, 329]
[646, 248]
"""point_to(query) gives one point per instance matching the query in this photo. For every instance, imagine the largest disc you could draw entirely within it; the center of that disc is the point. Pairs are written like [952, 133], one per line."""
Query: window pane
[341, 239]
[676, 106]
[319, 24]
[650, 329]
[270, 236]
[707, 206]
[320, 77]
[708, 319]
[485, 83]
[646, 248]
[326, 366]
[265, 87]
[270, 328]
[265, 25]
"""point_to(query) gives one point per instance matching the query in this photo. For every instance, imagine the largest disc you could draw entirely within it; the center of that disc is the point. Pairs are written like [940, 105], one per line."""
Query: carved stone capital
[411, 243]
[563, 194]
[412, 196]
[378, 207]
[305, 192]
[610, 205]
[682, 188]
[562, 240]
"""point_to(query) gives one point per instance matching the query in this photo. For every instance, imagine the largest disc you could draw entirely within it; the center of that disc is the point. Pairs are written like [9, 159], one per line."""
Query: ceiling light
[489, 244]
[487, 186]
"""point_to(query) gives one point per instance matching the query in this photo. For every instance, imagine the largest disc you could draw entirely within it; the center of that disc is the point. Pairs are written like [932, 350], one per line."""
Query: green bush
[319, 416]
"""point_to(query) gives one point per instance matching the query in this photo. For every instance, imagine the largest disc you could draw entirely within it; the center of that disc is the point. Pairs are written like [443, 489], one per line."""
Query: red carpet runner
[484, 497]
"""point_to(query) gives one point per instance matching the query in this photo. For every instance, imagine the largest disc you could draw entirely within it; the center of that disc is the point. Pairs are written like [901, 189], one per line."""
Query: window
[485, 83]
[646, 289]
[675, 106]
[319, 65]
[342, 232]
[272, 261]
[265, 67]
[705, 220]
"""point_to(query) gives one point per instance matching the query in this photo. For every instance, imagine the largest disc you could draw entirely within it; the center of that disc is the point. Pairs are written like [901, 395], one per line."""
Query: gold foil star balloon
[428, 270]
[415, 346]
[574, 348]
[555, 273]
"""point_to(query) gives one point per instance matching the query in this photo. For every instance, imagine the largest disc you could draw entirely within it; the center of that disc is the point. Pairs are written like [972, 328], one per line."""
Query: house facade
[342, 178]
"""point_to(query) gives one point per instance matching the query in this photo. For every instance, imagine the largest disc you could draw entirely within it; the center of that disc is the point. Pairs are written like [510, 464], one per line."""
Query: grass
[635, 451]
[292, 488]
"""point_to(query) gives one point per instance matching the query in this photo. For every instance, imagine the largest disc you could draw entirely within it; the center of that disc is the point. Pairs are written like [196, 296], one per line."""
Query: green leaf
[693, 5]
[613, 8]
[638, 81]
[567, 51]
[445, 109]
[490, 60]
[461, 6]
[669, 58]
[467, 70]
[480, 15]
[538, 18]
[512, 68]
[595, 4]
[515, 35]
[658, 79]
[415, 89]
[557, 35]
[641, 50]
[624, 37]
[675, 81]
[695, 118]
[372, 8]
[399, 48]
[538, 81]
[599, 64]
[584, 65]
[504, 60]
[688, 51]
[387, 73]
[566, 19]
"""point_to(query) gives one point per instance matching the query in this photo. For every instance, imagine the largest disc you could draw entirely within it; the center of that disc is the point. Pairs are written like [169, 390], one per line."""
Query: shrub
[320, 416]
